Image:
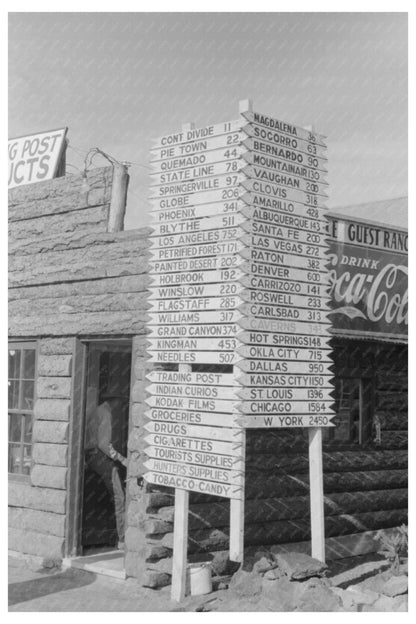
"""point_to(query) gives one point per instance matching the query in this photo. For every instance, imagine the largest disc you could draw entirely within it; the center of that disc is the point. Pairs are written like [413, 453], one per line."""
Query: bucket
[199, 579]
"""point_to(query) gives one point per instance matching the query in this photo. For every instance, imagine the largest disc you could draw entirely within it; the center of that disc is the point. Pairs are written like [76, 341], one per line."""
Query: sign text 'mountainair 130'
[240, 287]
[36, 157]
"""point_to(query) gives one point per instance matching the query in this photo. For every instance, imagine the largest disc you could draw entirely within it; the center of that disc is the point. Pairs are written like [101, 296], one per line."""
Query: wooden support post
[180, 545]
[237, 529]
[316, 486]
[180, 532]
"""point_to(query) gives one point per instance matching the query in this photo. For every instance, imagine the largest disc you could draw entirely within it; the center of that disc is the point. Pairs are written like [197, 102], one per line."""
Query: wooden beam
[316, 493]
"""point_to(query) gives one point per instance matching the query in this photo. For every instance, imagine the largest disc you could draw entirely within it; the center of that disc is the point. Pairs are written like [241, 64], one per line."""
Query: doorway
[108, 371]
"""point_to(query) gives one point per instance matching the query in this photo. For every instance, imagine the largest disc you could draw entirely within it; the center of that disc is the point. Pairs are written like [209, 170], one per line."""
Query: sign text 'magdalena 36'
[238, 274]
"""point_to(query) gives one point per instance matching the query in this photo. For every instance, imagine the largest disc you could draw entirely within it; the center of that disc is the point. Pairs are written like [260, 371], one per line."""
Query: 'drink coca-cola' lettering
[382, 295]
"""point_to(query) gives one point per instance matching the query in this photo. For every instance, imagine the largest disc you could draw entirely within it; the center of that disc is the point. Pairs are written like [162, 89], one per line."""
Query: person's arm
[117, 456]
[104, 430]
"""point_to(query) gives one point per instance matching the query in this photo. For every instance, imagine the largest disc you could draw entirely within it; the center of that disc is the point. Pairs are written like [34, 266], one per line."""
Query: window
[22, 367]
[354, 407]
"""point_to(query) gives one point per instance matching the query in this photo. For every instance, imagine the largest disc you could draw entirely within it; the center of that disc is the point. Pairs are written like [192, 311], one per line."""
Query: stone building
[77, 326]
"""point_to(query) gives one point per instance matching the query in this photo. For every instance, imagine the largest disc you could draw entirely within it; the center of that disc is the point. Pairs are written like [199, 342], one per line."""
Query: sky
[119, 80]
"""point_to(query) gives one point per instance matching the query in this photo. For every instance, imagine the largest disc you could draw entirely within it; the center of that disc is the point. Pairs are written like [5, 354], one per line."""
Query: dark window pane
[14, 394]
[29, 364]
[14, 457]
[28, 388]
[27, 433]
[14, 363]
[15, 428]
[27, 459]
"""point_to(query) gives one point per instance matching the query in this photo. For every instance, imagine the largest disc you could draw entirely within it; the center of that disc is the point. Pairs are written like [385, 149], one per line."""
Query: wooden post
[180, 525]
[237, 523]
[316, 486]
[118, 198]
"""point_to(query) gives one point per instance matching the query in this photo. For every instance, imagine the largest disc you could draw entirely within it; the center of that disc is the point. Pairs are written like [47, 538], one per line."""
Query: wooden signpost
[238, 280]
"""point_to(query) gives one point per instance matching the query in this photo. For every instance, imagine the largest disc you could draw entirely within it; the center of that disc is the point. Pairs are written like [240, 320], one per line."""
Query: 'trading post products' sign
[35, 157]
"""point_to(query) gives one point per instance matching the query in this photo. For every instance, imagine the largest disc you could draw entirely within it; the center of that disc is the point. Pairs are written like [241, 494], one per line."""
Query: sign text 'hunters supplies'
[239, 329]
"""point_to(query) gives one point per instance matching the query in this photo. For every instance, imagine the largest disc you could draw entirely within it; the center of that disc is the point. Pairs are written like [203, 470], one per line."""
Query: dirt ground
[36, 589]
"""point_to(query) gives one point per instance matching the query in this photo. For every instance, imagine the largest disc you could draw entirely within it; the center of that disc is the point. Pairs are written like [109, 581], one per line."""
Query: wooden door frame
[73, 545]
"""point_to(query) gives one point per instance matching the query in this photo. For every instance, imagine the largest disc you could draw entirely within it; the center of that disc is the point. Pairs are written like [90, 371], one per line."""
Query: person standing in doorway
[102, 456]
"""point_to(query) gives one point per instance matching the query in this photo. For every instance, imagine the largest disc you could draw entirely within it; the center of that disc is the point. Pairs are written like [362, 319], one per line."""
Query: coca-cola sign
[368, 279]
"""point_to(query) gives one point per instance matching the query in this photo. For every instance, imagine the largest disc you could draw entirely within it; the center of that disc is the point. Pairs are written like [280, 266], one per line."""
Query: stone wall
[68, 277]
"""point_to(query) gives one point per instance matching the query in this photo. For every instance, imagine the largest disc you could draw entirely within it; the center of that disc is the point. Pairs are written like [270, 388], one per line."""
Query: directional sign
[284, 327]
[195, 444]
[196, 457]
[192, 403]
[274, 191]
[260, 310]
[279, 138]
[197, 225]
[286, 284]
[273, 256]
[193, 134]
[197, 290]
[291, 157]
[196, 303]
[265, 270]
[192, 251]
[231, 477]
[278, 339]
[227, 167]
[194, 485]
[193, 357]
[259, 394]
[257, 229]
[195, 238]
[315, 382]
[285, 180]
[187, 377]
[266, 144]
[229, 140]
[285, 407]
[286, 421]
[282, 366]
[193, 418]
[259, 241]
[284, 203]
[285, 299]
[213, 316]
[175, 215]
[195, 331]
[199, 159]
[196, 277]
[285, 353]
[230, 194]
[277, 164]
[198, 185]
[283, 219]
[195, 431]
[223, 261]
[285, 128]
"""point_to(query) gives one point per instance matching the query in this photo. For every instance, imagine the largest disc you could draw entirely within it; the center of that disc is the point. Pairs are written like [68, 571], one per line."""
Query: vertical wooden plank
[316, 486]
[75, 452]
[237, 529]
[180, 532]
[180, 545]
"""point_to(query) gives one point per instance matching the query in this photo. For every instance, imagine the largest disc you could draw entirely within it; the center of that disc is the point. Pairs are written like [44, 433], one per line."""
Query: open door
[108, 369]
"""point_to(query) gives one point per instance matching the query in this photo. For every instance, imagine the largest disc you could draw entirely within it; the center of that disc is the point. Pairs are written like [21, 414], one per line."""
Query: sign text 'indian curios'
[238, 294]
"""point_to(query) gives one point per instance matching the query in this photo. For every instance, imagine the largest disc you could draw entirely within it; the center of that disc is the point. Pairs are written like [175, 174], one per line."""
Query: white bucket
[199, 579]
